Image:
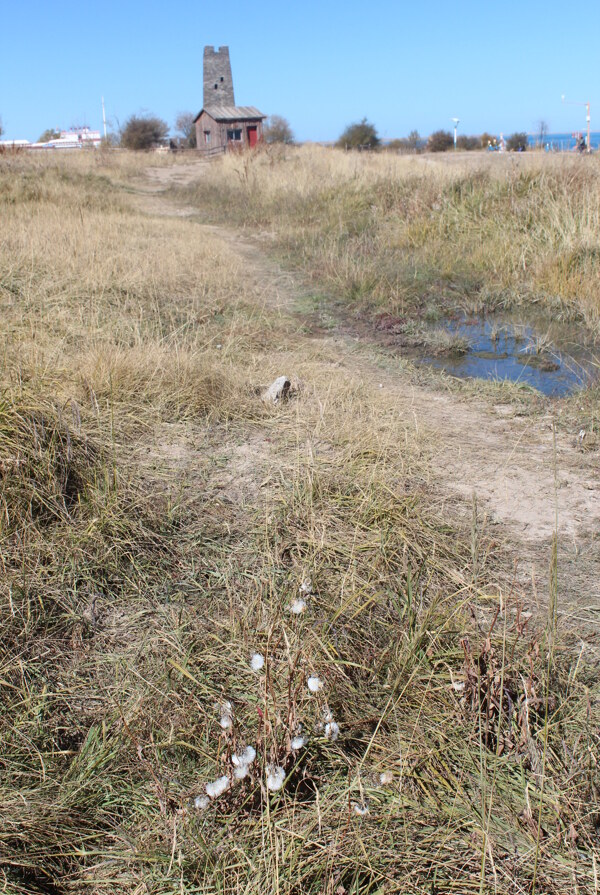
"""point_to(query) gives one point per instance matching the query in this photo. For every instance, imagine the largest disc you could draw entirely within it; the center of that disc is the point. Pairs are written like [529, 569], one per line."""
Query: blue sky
[498, 66]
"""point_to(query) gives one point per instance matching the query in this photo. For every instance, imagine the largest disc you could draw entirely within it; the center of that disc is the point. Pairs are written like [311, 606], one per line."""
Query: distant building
[221, 125]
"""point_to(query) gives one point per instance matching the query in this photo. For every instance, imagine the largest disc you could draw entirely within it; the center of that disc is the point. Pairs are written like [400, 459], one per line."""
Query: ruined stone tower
[218, 81]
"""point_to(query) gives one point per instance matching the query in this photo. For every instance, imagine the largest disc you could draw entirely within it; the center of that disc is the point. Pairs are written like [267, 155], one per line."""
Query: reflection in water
[554, 358]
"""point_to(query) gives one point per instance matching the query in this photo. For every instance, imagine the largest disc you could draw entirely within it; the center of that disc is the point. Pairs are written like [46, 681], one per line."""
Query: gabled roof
[231, 113]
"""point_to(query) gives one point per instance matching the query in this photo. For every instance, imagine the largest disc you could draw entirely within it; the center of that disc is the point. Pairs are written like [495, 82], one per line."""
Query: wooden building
[222, 128]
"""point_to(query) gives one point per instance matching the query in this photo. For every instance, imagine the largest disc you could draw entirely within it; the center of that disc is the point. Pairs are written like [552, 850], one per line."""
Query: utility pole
[569, 102]
[456, 123]
[104, 118]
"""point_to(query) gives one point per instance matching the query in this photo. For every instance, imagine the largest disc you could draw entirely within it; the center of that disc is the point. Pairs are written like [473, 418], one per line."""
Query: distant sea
[563, 142]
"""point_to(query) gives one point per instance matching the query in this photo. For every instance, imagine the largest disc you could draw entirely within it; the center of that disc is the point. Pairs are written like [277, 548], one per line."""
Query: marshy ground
[159, 521]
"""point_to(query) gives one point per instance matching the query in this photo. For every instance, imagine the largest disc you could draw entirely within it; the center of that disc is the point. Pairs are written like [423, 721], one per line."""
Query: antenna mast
[104, 118]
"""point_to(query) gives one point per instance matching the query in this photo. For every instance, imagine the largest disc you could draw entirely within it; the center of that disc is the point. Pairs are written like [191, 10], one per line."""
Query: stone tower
[218, 82]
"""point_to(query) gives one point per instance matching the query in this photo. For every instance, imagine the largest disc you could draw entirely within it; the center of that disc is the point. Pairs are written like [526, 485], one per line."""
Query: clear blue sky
[498, 66]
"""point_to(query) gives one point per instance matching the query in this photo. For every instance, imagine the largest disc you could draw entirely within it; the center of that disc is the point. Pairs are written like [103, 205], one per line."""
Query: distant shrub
[1, 128]
[278, 130]
[440, 141]
[49, 134]
[517, 142]
[360, 135]
[468, 143]
[143, 132]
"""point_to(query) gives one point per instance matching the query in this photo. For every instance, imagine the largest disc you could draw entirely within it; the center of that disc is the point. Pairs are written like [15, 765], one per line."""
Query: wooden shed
[222, 128]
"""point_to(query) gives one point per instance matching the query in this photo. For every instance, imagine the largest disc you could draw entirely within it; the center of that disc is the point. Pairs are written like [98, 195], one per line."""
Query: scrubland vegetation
[160, 525]
[402, 234]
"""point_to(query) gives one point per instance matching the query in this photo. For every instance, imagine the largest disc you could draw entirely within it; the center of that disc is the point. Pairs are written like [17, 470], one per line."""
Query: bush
[517, 142]
[440, 141]
[143, 132]
[277, 130]
[49, 134]
[184, 125]
[468, 143]
[360, 135]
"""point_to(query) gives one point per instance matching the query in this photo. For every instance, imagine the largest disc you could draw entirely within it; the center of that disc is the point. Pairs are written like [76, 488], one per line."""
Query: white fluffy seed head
[241, 771]
[298, 606]
[217, 787]
[327, 716]
[306, 587]
[297, 743]
[226, 710]
[314, 684]
[275, 777]
[386, 778]
[332, 730]
[361, 810]
[201, 802]
[257, 662]
[243, 758]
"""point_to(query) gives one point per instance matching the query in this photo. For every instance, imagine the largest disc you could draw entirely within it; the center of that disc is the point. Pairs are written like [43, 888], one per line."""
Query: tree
[413, 140]
[440, 141]
[542, 131]
[517, 142]
[184, 125]
[49, 134]
[277, 130]
[360, 135]
[143, 132]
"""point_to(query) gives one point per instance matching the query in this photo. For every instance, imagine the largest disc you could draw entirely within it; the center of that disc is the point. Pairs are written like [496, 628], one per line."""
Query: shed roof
[231, 113]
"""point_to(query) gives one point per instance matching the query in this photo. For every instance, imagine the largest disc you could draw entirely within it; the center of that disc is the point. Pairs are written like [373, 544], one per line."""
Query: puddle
[553, 357]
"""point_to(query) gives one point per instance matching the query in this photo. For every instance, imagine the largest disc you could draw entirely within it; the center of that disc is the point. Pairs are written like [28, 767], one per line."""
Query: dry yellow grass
[156, 523]
[392, 231]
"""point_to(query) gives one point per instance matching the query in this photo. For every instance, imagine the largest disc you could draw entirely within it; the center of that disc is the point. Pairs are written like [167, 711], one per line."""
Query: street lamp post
[570, 102]
[456, 123]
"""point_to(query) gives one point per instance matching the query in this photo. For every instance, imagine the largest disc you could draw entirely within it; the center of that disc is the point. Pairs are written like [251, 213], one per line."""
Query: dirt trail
[525, 478]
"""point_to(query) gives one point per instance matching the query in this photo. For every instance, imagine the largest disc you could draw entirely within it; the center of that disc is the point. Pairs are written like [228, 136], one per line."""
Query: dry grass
[156, 523]
[406, 232]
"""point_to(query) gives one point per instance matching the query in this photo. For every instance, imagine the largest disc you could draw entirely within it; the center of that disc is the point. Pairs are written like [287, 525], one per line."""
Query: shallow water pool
[553, 357]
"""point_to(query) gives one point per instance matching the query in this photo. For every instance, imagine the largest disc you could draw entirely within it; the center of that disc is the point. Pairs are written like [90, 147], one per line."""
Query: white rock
[277, 391]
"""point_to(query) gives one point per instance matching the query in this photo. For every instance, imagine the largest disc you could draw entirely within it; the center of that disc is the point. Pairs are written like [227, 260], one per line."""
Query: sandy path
[526, 479]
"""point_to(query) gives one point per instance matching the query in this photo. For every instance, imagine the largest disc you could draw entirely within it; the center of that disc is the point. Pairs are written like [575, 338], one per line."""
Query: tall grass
[157, 521]
[402, 234]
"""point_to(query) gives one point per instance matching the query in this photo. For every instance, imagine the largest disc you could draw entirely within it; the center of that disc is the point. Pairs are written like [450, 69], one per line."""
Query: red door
[252, 135]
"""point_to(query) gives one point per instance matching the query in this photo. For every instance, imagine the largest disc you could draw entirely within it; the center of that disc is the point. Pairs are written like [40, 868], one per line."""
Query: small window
[222, 80]
[207, 136]
[234, 134]
[216, 85]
